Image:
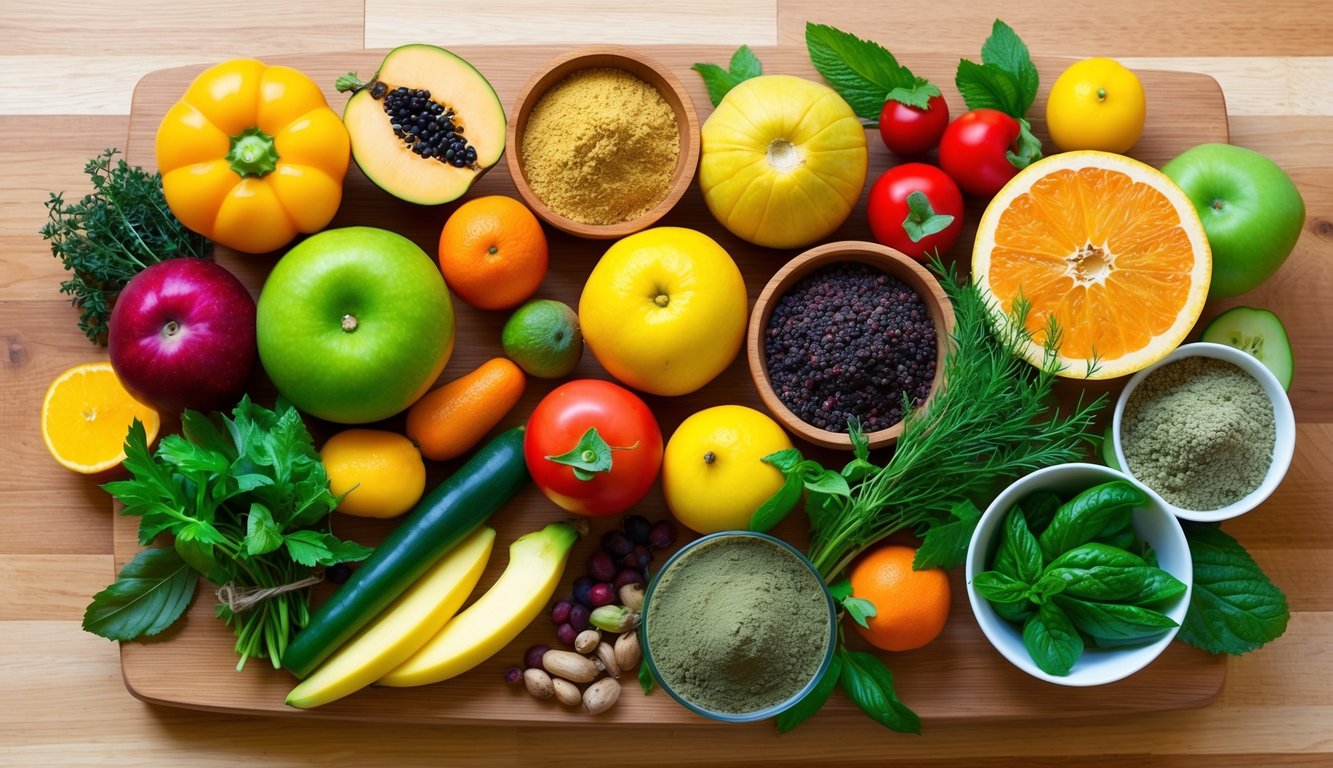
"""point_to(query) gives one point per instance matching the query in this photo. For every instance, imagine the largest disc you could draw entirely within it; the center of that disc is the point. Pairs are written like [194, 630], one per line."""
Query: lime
[543, 337]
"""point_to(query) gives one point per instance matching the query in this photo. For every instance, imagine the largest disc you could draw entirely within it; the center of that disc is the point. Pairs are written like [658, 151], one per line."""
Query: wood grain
[957, 677]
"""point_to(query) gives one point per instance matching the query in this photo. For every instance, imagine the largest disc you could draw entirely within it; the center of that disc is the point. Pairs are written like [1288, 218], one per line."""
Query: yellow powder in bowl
[600, 147]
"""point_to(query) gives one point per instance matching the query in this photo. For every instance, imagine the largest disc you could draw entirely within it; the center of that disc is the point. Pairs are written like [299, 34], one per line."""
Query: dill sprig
[992, 420]
[123, 226]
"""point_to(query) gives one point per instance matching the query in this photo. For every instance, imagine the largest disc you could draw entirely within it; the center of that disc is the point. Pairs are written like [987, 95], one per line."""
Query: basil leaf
[813, 701]
[829, 482]
[1006, 50]
[1039, 509]
[200, 556]
[1094, 554]
[1019, 555]
[1234, 607]
[1136, 584]
[870, 684]
[1000, 588]
[744, 65]
[1052, 641]
[944, 546]
[785, 460]
[1080, 519]
[149, 594]
[1114, 621]
[1016, 612]
[779, 505]
[863, 72]
[262, 535]
[1046, 587]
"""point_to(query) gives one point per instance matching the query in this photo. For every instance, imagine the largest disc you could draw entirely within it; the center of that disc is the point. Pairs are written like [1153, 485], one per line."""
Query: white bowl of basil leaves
[1077, 576]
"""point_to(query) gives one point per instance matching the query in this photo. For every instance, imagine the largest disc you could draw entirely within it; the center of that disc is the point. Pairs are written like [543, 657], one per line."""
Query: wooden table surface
[70, 71]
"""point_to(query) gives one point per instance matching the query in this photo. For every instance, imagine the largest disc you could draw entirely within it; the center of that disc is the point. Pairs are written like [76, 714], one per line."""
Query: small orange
[380, 471]
[85, 416]
[1108, 247]
[493, 252]
[911, 606]
[447, 421]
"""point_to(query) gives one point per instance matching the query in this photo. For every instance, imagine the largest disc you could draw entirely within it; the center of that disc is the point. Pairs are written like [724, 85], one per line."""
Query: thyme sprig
[112, 234]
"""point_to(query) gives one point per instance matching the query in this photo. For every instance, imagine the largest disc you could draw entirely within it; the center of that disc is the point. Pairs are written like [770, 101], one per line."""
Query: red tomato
[893, 221]
[593, 447]
[973, 149]
[908, 130]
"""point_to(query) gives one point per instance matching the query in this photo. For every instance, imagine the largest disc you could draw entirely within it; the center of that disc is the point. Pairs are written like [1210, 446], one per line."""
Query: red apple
[182, 335]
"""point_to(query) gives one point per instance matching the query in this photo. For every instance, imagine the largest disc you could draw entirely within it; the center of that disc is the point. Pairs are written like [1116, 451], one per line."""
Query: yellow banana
[536, 563]
[406, 625]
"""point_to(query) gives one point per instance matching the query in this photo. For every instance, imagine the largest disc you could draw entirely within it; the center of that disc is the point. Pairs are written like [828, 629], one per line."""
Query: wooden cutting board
[959, 676]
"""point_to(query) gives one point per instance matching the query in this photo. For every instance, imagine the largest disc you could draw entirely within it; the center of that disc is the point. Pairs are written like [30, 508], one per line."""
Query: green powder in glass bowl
[738, 626]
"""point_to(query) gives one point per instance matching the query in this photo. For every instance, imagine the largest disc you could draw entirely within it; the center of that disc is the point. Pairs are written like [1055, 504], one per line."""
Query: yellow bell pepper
[252, 155]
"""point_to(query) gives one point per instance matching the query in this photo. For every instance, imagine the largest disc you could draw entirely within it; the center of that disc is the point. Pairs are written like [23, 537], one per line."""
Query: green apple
[1250, 208]
[354, 324]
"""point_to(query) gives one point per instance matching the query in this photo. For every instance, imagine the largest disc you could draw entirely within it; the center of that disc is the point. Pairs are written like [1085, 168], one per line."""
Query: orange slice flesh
[1108, 247]
[85, 416]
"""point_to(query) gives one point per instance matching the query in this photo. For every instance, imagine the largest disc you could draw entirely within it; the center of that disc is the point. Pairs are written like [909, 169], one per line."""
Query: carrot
[448, 421]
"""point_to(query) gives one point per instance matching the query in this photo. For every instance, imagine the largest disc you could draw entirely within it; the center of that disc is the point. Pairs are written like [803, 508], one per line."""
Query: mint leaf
[814, 700]
[841, 590]
[1006, 50]
[149, 594]
[779, 505]
[863, 72]
[922, 221]
[744, 65]
[860, 610]
[945, 545]
[827, 481]
[870, 684]
[986, 86]
[1234, 607]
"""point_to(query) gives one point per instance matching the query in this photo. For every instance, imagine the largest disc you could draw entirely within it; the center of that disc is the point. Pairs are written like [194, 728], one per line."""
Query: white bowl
[1283, 449]
[1153, 523]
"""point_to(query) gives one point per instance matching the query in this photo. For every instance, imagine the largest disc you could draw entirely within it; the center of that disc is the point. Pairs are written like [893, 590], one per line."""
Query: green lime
[543, 337]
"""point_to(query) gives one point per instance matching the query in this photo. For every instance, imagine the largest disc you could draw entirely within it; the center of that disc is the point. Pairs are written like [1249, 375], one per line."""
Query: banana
[406, 625]
[536, 563]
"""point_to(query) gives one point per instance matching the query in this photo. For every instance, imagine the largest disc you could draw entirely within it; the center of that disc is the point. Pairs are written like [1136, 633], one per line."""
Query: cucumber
[441, 520]
[1258, 332]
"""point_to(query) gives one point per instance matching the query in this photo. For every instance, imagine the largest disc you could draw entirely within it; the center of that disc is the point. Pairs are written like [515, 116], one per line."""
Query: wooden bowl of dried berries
[603, 142]
[848, 331]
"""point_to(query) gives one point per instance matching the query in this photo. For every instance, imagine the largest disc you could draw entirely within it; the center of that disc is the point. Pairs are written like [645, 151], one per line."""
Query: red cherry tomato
[893, 220]
[593, 447]
[973, 148]
[908, 130]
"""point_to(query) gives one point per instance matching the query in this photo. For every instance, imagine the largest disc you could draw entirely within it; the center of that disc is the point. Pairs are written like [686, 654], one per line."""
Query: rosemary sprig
[122, 227]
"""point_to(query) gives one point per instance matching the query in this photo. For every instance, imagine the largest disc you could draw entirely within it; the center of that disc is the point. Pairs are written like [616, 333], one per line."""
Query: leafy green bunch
[246, 501]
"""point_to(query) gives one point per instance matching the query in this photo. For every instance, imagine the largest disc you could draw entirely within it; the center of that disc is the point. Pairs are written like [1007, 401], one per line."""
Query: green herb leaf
[149, 594]
[1114, 621]
[1019, 555]
[870, 684]
[189, 458]
[1095, 554]
[1051, 640]
[1000, 588]
[813, 701]
[591, 455]
[646, 681]
[945, 544]
[827, 481]
[1039, 509]
[986, 86]
[863, 72]
[841, 589]
[1007, 51]
[1234, 607]
[1132, 584]
[859, 610]
[785, 460]
[1029, 147]
[262, 535]
[779, 505]
[1078, 521]
[201, 556]
[744, 65]
[1046, 587]
[922, 221]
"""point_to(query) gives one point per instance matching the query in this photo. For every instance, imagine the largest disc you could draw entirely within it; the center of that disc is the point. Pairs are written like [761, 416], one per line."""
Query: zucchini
[441, 520]
[1258, 332]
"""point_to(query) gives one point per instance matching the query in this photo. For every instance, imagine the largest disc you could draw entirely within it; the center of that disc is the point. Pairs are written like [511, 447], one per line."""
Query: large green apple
[354, 324]
[1251, 212]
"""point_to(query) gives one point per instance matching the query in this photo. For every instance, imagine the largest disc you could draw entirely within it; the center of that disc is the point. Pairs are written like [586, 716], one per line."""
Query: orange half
[85, 416]
[1106, 245]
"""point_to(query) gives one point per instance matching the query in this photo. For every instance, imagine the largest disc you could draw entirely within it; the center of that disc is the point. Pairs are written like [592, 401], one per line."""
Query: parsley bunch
[113, 234]
[247, 501]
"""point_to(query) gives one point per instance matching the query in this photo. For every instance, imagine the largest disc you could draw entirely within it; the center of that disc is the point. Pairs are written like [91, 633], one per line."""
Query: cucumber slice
[1258, 332]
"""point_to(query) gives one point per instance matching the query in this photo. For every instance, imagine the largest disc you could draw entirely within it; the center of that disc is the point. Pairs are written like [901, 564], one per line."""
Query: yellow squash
[252, 155]
[782, 161]
[536, 563]
[412, 620]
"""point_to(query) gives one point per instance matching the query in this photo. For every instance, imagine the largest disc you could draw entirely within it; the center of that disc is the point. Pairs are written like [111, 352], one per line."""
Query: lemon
[713, 473]
[381, 472]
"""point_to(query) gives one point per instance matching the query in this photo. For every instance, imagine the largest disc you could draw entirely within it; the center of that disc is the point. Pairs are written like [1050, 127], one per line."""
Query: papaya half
[426, 126]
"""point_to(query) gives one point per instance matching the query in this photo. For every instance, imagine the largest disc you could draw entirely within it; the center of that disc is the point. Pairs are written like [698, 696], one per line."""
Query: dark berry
[560, 611]
[514, 676]
[640, 558]
[578, 618]
[601, 566]
[637, 528]
[533, 657]
[566, 633]
[663, 535]
[616, 544]
[581, 586]
[627, 576]
[338, 573]
[601, 594]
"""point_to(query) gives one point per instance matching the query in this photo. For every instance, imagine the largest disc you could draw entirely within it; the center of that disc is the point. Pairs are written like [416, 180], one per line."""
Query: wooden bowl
[887, 259]
[646, 69]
